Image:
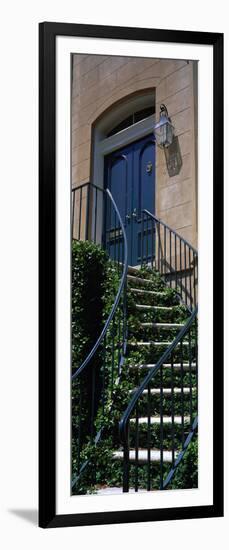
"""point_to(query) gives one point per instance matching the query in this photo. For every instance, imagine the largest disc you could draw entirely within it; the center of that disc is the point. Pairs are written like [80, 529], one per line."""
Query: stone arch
[122, 102]
[108, 116]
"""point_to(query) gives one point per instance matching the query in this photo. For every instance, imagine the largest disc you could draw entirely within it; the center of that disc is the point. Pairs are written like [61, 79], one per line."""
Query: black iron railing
[95, 217]
[87, 212]
[102, 366]
[174, 258]
[179, 367]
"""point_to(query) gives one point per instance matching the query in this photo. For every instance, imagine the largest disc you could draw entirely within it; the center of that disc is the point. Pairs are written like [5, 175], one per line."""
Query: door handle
[134, 213]
[149, 167]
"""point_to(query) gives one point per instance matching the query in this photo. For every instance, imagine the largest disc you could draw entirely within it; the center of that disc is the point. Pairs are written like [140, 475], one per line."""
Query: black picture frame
[48, 31]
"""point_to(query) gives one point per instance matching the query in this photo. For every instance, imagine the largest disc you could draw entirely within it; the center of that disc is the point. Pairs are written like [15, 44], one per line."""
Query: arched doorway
[124, 161]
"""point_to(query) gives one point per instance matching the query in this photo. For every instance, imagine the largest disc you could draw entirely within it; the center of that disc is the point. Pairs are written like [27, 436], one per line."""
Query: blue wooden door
[130, 176]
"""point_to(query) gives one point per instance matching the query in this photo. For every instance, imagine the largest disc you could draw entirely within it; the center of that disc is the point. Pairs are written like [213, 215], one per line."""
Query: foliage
[90, 280]
[94, 286]
[187, 471]
[95, 282]
[88, 287]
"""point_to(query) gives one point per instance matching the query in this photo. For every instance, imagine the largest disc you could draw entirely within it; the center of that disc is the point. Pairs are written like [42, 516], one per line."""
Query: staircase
[146, 416]
[165, 412]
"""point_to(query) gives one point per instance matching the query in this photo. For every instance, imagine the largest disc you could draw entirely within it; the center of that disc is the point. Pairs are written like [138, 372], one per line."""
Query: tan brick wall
[176, 196]
[99, 82]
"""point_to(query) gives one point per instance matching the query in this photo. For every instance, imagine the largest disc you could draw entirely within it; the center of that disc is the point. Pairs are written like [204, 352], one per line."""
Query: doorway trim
[103, 145]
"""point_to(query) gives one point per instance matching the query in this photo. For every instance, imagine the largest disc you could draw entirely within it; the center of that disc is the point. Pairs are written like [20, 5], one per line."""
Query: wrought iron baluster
[119, 239]
[95, 226]
[131, 221]
[112, 352]
[175, 246]
[115, 231]
[182, 391]
[73, 211]
[159, 247]
[172, 410]
[110, 248]
[152, 245]
[194, 278]
[185, 269]
[104, 360]
[148, 436]
[119, 335]
[80, 214]
[120, 309]
[124, 310]
[161, 431]
[190, 279]
[80, 425]
[87, 212]
[92, 402]
[170, 258]
[136, 448]
[142, 238]
[181, 282]
[196, 354]
[190, 376]
[126, 464]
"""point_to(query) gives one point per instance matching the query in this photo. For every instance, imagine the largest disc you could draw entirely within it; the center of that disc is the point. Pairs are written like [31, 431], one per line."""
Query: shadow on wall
[30, 515]
[173, 157]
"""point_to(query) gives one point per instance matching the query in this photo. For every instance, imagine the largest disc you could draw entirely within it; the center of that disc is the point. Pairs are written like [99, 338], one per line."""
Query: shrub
[186, 476]
[88, 285]
[94, 285]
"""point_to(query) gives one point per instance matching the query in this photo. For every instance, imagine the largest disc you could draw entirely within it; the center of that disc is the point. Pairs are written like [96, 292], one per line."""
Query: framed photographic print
[131, 275]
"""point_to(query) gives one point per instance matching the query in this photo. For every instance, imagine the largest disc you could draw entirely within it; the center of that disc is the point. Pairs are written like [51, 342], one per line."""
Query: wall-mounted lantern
[164, 129]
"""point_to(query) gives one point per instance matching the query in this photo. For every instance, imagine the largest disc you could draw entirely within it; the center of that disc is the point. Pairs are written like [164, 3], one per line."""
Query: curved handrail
[125, 420]
[117, 298]
[181, 454]
[170, 229]
[126, 416]
[174, 257]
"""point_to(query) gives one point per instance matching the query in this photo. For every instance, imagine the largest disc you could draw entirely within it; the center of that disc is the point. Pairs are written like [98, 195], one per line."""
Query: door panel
[130, 176]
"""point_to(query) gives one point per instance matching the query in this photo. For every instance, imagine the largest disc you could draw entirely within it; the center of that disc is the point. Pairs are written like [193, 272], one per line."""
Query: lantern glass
[164, 131]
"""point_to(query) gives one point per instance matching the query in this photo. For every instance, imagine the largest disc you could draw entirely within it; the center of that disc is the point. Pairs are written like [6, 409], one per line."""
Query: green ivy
[94, 286]
[187, 472]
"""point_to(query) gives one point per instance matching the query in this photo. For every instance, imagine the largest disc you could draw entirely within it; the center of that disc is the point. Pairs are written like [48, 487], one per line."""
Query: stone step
[162, 325]
[145, 307]
[186, 366]
[142, 455]
[165, 391]
[152, 343]
[157, 420]
[139, 280]
[145, 291]
[133, 270]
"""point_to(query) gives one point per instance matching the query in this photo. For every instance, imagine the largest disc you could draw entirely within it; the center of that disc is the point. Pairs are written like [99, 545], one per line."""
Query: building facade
[136, 194]
[115, 104]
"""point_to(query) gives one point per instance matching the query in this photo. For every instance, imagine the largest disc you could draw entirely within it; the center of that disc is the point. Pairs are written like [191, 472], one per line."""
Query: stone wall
[100, 81]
